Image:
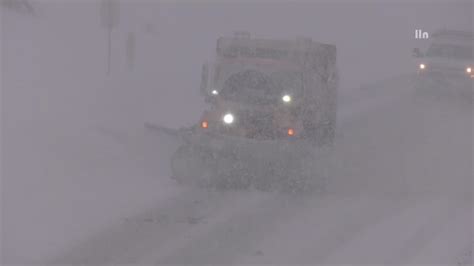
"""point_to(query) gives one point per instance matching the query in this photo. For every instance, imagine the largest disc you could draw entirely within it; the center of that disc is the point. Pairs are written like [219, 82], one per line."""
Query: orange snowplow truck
[271, 116]
[271, 89]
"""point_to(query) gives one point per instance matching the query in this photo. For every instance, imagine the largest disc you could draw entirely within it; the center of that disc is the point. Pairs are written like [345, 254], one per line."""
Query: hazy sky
[173, 39]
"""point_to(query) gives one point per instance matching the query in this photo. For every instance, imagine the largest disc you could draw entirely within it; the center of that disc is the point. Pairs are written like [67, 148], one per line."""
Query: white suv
[449, 53]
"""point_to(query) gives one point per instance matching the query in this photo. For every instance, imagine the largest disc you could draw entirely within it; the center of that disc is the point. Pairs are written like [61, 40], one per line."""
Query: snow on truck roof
[268, 57]
[284, 50]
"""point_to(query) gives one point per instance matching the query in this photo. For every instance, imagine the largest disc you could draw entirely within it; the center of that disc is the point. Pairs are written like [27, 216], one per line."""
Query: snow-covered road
[253, 228]
[401, 193]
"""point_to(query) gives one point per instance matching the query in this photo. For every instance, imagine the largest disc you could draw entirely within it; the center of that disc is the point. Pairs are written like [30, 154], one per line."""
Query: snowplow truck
[271, 117]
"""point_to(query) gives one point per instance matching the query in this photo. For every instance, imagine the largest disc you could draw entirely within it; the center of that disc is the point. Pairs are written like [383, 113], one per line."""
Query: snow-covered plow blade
[219, 161]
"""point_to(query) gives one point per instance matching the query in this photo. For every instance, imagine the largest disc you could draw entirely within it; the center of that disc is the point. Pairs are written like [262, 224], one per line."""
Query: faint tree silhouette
[130, 50]
[21, 6]
[110, 16]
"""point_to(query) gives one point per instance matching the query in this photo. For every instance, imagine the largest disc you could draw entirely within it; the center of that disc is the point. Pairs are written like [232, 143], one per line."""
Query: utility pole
[109, 14]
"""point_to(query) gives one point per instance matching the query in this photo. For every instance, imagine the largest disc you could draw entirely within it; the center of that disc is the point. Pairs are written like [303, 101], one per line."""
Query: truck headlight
[228, 118]
[469, 70]
[422, 66]
[286, 98]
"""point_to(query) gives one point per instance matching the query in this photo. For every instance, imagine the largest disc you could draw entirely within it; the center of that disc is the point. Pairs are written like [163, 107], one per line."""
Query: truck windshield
[450, 51]
[254, 87]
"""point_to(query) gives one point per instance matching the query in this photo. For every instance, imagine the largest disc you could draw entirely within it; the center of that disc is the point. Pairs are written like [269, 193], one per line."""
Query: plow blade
[210, 160]
[163, 144]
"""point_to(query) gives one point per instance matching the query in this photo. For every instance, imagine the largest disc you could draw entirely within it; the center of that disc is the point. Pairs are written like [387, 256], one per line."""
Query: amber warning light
[291, 132]
[204, 124]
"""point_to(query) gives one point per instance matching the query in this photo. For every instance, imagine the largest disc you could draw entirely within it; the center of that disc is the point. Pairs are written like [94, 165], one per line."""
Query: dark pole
[109, 51]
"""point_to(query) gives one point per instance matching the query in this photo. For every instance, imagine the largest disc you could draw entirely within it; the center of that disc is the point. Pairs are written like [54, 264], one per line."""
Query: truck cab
[270, 89]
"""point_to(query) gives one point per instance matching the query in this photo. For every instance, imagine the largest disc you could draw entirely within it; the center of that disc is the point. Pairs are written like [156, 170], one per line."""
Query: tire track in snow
[133, 237]
[319, 232]
[453, 243]
[379, 242]
[233, 236]
[426, 233]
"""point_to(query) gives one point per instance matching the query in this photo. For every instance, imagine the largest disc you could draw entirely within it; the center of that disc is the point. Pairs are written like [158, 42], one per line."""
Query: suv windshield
[450, 50]
[254, 87]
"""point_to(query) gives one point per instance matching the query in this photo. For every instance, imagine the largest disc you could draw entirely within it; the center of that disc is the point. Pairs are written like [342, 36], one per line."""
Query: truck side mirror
[417, 53]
